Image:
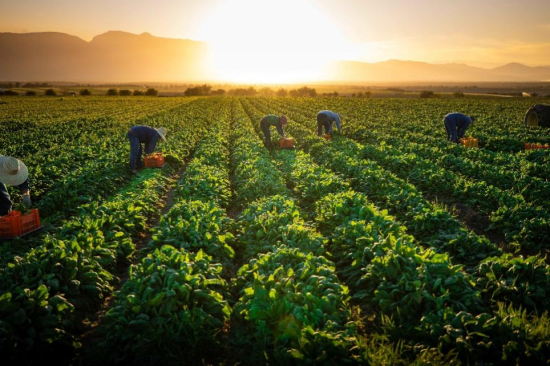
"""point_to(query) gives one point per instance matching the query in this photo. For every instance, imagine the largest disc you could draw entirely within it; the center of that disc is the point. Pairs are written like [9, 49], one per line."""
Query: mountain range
[118, 56]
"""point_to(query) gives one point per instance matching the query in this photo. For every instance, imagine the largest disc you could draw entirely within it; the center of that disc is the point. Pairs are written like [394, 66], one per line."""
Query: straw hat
[162, 132]
[12, 171]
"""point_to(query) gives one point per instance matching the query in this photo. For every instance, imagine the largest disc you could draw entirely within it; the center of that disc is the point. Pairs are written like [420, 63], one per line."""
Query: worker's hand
[27, 200]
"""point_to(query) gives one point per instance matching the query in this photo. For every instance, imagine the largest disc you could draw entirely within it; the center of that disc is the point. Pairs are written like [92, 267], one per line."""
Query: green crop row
[47, 291]
[174, 307]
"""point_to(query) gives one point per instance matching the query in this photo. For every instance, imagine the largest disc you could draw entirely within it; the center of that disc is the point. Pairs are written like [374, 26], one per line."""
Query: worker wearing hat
[13, 173]
[267, 122]
[325, 120]
[143, 135]
[456, 125]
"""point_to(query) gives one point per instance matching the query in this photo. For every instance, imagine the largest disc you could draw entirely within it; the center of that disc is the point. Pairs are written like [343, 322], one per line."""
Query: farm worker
[267, 122]
[325, 119]
[143, 135]
[13, 173]
[456, 125]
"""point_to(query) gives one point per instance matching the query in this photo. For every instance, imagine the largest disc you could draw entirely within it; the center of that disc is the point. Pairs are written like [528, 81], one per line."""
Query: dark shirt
[462, 122]
[273, 120]
[146, 135]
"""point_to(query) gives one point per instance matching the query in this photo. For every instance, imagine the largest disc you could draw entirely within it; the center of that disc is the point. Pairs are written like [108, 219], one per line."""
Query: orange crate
[286, 143]
[155, 160]
[328, 136]
[15, 224]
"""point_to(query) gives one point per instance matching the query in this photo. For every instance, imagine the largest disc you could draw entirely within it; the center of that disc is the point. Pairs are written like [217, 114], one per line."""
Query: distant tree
[303, 92]
[112, 92]
[218, 92]
[198, 91]
[426, 94]
[367, 94]
[266, 92]
[125, 92]
[30, 93]
[138, 93]
[18, 84]
[282, 93]
[152, 92]
[242, 92]
[85, 92]
[50, 92]
[458, 94]
[356, 96]
[11, 93]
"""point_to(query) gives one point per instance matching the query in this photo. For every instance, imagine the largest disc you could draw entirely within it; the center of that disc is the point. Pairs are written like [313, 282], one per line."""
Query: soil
[476, 221]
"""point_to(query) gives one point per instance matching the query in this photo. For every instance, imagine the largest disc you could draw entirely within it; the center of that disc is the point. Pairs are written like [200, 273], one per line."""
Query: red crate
[286, 143]
[15, 224]
[155, 160]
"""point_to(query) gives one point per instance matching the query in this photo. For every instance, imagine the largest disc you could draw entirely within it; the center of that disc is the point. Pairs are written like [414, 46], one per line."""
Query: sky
[297, 36]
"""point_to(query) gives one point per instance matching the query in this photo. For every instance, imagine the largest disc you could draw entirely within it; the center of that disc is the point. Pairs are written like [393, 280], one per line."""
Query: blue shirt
[332, 117]
[461, 121]
[146, 135]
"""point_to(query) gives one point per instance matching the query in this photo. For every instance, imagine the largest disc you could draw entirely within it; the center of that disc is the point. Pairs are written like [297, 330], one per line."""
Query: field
[386, 245]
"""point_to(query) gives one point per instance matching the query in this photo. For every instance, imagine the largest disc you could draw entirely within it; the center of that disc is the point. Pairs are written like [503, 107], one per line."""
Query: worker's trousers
[267, 136]
[135, 151]
[452, 133]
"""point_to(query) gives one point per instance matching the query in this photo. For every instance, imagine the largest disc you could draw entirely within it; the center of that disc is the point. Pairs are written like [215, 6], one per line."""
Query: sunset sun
[270, 42]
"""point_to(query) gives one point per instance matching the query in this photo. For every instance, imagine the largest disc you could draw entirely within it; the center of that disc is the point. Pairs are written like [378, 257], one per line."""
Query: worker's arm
[150, 146]
[279, 127]
[25, 192]
[338, 125]
[462, 127]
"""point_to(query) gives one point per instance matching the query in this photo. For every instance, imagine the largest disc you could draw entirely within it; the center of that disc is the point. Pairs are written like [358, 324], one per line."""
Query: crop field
[386, 245]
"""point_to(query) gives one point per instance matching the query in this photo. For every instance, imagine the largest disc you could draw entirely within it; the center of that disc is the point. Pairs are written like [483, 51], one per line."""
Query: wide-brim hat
[162, 132]
[12, 171]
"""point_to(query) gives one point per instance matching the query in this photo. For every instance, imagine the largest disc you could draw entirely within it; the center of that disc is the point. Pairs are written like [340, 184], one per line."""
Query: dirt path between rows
[89, 337]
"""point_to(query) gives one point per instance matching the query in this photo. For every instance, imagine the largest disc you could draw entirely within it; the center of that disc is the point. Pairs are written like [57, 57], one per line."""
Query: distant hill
[412, 71]
[124, 57]
[111, 57]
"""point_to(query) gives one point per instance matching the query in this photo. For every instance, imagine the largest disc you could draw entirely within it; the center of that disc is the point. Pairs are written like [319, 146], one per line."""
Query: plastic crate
[469, 142]
[286, 143]
[155, 160]
[535, 146]
[16, 224]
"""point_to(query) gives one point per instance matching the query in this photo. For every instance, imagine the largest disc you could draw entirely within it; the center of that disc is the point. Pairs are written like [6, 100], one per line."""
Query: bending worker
[267, 122]
[456, 125]
[13, 173]
[143, 135]
[325, 120]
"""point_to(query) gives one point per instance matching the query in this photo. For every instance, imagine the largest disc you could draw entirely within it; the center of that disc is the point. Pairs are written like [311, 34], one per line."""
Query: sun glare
[270, 42]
